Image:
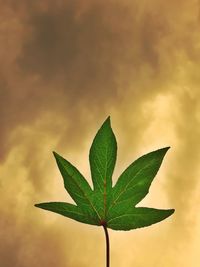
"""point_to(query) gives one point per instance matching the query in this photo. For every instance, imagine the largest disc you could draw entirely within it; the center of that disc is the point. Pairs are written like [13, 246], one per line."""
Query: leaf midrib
[104, 178]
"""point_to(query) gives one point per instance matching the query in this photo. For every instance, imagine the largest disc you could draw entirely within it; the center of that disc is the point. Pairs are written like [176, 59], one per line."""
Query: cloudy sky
[66, 66]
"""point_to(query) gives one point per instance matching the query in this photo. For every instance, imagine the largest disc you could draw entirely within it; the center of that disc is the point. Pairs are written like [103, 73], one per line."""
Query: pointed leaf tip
[55, 154]
[166, 148]
[58, 157]
[163, 150]
[172, 211]
[107, 121]
[108, 118]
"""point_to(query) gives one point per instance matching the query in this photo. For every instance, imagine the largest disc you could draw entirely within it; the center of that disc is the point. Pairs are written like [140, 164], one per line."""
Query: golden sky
[66, 66]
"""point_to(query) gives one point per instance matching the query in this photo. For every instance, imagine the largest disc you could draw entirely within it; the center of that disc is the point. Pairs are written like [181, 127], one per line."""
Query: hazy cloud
[65, 67]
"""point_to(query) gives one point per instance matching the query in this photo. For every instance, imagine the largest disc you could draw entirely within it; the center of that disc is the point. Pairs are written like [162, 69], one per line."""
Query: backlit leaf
[106, 205]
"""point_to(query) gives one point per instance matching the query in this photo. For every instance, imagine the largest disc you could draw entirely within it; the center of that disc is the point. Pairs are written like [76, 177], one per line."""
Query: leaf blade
[68, 210]
[133, 184]
[102, 158]
[76, 185]
[138, 218]
[74, 182]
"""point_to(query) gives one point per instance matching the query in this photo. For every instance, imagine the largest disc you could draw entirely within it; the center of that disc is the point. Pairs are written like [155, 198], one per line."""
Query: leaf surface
[133, 184]
[78, 187]
[74, 182]
[137, 218]
[102, 157]
[113, 207]
[67, 210]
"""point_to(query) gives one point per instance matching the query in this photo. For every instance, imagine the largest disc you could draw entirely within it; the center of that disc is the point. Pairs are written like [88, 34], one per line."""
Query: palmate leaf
[107, 205]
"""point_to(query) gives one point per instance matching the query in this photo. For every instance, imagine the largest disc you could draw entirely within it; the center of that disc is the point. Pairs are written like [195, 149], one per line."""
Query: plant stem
[107, 246]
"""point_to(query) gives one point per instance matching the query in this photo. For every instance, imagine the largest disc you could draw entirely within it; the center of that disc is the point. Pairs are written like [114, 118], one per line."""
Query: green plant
[106, 205]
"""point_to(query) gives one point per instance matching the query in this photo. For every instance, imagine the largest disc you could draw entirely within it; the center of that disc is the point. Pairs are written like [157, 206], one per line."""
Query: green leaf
[105, 205]
[137, 218]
